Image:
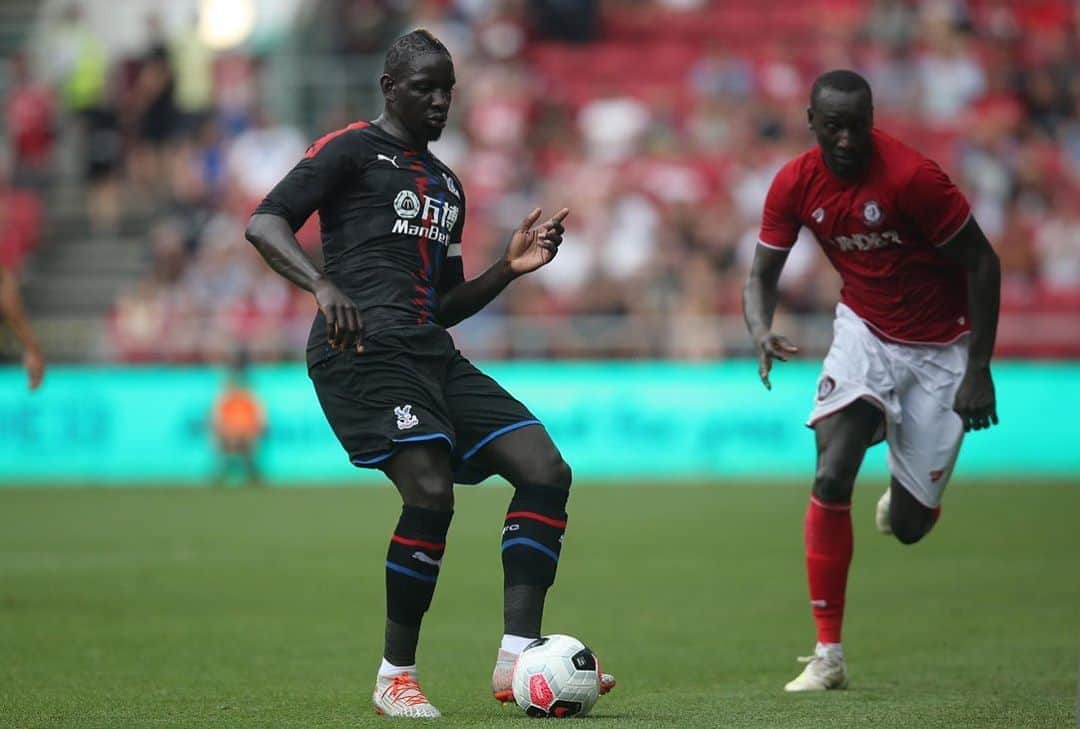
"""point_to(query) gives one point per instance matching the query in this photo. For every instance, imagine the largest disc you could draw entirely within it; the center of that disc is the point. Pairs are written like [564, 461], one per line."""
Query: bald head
[841, 115]
[840, 80]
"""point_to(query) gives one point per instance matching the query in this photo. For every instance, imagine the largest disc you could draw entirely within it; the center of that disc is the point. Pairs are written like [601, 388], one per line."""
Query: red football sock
[829, 547]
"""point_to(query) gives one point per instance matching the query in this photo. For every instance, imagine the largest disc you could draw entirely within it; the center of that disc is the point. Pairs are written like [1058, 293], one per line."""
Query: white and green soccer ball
[558, 677]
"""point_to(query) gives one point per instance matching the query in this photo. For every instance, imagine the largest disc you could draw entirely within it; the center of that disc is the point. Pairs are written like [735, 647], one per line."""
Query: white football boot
[502, 678]
[881, 515]
[401, 696]
[825, 670]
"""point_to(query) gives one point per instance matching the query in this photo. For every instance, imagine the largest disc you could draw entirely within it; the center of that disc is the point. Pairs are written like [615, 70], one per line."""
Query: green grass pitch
[234, 608]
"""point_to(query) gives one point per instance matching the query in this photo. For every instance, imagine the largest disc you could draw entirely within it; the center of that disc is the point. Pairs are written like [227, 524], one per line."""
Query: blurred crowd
[660, 123]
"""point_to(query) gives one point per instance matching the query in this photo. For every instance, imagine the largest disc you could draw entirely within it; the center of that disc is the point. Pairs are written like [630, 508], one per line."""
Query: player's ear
[809, 117]
[386, 84]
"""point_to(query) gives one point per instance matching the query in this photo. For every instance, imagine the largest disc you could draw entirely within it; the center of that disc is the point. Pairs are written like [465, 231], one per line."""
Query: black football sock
[523, 610]
[401, 642]
[531, 543]
[412, 570]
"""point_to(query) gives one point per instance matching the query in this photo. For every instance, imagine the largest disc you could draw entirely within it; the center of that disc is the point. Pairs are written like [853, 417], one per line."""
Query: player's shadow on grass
[514, 714]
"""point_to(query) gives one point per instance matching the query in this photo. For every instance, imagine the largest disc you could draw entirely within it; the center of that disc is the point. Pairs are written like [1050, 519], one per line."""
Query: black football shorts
[411, 384]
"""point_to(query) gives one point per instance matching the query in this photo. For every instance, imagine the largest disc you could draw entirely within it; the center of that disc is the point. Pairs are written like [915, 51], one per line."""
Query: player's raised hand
[530, 248]
[344, 325]
[770, 347]
[975, 402]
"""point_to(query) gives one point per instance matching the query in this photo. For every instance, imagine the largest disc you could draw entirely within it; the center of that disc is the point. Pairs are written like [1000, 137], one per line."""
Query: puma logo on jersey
[391, 160]
[867, 241]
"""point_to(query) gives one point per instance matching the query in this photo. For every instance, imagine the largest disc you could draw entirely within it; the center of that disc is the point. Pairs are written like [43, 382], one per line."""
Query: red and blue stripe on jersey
[431, 253]
[322, 141]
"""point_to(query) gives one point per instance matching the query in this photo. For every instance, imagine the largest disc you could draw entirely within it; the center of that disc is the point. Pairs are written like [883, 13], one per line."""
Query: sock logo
[510, 528]
[819, 603]
[421, 557]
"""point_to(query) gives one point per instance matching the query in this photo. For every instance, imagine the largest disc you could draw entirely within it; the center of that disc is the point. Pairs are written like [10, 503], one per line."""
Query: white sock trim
[515, 643]
[829, 649]
[389, 670]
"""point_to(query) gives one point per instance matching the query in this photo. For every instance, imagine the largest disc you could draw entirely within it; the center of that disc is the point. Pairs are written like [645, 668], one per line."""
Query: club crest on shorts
[405, 418]
[825, 387]
[818, 215]
[936, 475]
[872, 213]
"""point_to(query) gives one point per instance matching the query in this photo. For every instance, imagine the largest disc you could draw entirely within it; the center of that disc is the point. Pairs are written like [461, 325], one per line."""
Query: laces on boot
[406, 690]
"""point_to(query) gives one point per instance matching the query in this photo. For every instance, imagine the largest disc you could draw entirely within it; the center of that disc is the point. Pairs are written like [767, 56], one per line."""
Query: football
[557, 676]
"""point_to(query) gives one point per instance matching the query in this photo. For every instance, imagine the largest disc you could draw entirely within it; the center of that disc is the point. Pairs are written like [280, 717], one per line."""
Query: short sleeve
[453, 270]
[779, 222]
[458, 230]
[935, 205]
[304, 189]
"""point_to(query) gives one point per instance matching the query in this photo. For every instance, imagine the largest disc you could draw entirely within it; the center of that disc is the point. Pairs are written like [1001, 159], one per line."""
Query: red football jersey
[880, 232]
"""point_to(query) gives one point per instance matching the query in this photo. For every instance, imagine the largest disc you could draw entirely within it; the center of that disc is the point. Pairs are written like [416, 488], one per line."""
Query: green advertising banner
[623, 421]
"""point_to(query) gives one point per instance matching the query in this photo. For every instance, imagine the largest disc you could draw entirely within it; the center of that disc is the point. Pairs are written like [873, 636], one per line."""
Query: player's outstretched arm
[760, 296]
[975, 401]
[273, 237]
[12, 313]
[529, 249]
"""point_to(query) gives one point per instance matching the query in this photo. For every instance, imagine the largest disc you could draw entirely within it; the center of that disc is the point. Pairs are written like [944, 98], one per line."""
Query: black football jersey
[391, 221]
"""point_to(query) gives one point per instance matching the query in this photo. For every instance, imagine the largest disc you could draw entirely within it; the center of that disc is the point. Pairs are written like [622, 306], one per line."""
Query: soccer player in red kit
[912, 339]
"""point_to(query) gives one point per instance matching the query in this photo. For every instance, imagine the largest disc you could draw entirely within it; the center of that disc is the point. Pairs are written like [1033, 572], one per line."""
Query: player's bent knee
[909, 519]
[909, 536]
[550, 471]
[429, 491]
[558, 474]
[909, 530]
[832, 486]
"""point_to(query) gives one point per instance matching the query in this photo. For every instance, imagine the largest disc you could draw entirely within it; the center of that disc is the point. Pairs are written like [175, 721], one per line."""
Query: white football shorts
[913, 385]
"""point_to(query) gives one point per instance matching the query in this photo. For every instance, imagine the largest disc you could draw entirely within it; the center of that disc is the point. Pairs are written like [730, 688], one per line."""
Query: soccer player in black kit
[397, 393]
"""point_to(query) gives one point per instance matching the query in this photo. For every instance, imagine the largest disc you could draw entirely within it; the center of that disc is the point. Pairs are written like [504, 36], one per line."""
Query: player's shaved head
[841, 115]
[404, 52]
[839, 80]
